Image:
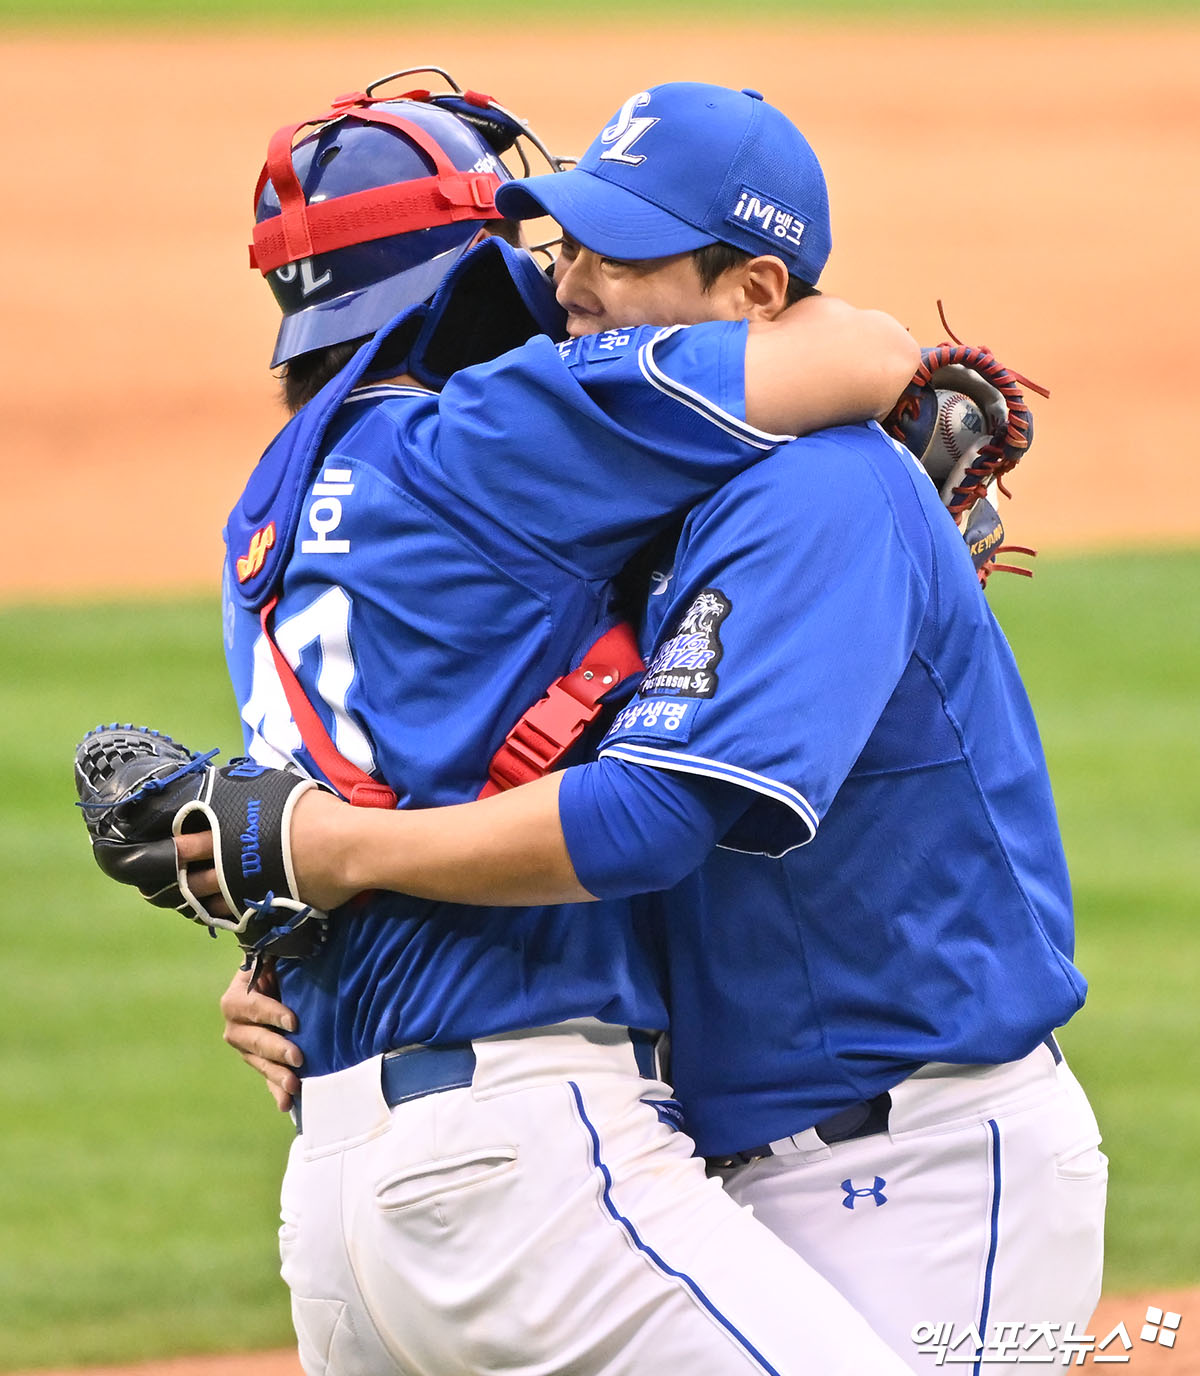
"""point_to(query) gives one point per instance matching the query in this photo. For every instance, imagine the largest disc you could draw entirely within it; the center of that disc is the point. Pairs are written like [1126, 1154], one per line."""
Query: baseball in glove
[965, 418]
[139, 789]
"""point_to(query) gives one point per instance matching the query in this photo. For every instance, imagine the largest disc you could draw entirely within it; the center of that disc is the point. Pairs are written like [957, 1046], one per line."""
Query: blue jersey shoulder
[796, 596]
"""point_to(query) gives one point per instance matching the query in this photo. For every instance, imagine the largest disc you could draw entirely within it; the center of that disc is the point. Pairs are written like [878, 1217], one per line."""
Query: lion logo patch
[685, 665]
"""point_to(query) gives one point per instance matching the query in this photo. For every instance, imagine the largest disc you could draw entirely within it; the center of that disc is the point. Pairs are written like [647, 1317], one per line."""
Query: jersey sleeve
[630, 830]
[797, 597]
[585, 449]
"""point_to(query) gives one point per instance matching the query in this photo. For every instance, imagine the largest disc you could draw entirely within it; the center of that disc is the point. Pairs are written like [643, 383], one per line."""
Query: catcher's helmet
[367, 214]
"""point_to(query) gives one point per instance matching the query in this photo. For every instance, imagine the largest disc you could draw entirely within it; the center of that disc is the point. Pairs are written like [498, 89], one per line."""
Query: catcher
[862, 1026]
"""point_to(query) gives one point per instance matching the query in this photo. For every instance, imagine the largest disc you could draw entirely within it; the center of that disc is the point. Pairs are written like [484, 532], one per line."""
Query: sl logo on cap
[625, 131]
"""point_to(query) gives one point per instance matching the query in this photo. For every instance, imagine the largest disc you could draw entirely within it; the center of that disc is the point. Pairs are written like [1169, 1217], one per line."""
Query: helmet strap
[305, 231]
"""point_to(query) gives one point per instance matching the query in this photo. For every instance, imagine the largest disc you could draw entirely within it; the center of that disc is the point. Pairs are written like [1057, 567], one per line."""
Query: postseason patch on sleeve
[685, 663]
[681, 675]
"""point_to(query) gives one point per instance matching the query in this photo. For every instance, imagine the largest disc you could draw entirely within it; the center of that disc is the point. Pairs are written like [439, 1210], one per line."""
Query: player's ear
[764, 286]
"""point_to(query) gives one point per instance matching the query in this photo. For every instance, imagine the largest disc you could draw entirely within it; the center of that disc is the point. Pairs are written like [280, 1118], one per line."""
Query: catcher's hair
[303, 377]
[715, 259]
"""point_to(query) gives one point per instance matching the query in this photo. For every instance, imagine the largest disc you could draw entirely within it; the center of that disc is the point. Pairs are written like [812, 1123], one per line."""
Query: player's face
[610, 293]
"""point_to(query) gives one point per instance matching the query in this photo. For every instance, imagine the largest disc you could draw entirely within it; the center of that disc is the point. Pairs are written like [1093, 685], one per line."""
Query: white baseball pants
[542, 1220]
[981, 1205]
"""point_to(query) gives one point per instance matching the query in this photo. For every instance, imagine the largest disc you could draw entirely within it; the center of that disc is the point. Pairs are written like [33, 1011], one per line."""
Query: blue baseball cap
[683, 165]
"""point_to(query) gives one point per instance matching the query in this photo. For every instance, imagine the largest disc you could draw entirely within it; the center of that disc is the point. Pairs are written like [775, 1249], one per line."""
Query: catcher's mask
[368, 213]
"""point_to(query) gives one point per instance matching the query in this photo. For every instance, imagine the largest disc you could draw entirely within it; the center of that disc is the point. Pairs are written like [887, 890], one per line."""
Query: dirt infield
[1058, 225]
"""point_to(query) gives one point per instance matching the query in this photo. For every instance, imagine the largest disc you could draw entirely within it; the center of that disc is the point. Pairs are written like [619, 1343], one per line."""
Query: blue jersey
[438, 560]
[896, 892]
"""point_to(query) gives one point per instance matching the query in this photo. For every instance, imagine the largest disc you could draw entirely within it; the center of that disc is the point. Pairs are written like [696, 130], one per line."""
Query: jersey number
[325, 625]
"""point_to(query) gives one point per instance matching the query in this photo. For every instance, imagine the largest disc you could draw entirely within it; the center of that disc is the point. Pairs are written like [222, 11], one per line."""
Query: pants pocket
[1081, 1188]
[1087, 1163]
[446, 1176]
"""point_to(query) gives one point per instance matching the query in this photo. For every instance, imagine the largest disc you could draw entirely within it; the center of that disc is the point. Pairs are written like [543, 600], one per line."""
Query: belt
[863, 1119]
[412, 1072]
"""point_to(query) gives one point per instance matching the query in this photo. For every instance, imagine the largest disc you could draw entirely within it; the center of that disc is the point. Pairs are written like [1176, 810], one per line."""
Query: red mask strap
[304, 231]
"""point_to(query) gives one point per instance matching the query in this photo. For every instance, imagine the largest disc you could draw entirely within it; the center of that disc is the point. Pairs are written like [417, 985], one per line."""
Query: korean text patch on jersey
[655, 718]
[596, 348]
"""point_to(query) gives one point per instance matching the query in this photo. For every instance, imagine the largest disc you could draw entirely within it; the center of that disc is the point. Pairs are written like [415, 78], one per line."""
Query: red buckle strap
[552, 725]
[474, 191]
[542, 737]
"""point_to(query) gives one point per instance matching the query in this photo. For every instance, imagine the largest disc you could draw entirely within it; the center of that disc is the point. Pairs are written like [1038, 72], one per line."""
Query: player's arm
[634, 830]
[824, 362]
[507, 849]
[504, 850]
[620, 431]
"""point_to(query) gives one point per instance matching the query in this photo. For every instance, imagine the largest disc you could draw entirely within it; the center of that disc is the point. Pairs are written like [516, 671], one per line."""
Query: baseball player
[866, 974]
[488, 1173]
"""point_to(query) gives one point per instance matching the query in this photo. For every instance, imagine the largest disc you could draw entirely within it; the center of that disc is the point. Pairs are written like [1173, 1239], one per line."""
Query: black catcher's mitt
[965, 418]
[139, 788]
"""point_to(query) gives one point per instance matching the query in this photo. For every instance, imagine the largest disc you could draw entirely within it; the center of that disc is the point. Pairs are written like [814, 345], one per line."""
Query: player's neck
[400, 380]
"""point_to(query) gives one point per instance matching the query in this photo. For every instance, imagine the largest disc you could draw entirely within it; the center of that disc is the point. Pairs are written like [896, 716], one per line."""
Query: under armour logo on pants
[875, 1192]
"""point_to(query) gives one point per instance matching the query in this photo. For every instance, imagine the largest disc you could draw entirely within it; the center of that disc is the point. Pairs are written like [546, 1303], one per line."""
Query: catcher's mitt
[138, 789]
[965, 418]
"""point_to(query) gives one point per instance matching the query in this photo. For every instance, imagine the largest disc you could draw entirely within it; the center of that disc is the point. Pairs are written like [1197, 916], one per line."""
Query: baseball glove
[139, 789]
[965, 418]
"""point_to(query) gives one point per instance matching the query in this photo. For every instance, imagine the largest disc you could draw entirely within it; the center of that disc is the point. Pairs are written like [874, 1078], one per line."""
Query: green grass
[1110, 650]
[169, 13]
[139, 1161]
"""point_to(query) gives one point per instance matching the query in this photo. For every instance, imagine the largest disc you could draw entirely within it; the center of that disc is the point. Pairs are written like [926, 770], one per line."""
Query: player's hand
[255, 1024]
[195, 850]
[322, 828]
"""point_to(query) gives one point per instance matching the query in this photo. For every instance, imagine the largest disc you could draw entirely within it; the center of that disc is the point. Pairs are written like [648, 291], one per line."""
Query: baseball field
[1037, 173]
